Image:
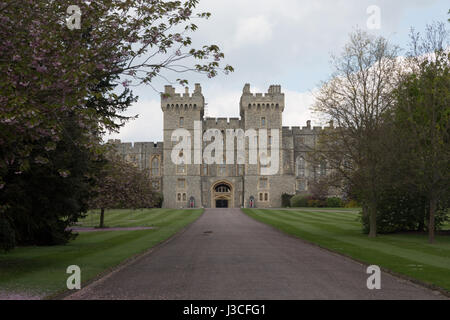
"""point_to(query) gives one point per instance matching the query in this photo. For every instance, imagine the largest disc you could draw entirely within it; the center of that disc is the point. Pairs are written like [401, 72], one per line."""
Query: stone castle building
[226, 185]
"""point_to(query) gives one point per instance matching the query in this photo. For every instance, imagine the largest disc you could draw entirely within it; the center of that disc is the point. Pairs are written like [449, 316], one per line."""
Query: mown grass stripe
[402, 253]
[336, 231]
[43, 269]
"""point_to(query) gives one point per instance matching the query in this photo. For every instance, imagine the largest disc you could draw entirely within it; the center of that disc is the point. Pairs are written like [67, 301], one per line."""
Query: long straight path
[227, 255]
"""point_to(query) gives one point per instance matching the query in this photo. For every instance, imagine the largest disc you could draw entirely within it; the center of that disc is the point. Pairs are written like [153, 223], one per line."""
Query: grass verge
[340, 230]
[41, 271]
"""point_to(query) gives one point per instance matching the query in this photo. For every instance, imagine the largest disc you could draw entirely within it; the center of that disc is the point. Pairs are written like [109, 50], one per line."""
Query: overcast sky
[285, 42]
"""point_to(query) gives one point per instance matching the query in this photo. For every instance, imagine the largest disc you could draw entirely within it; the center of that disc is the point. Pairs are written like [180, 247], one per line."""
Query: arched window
[301, 166]
[155, 166]
[323, 168]
[222, 188]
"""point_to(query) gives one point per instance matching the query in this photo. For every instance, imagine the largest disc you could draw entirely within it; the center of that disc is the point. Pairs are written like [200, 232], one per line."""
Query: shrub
[299, 201]
[334, 202]
[158, 200]
[313, 203]
[404, 210]
[286, 200]
[352, 204]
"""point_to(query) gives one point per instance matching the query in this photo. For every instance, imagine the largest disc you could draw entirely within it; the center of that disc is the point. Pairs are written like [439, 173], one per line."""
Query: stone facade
[232, 185]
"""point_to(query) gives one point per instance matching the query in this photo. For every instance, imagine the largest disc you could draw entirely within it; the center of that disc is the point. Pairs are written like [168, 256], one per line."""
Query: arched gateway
[222, 195]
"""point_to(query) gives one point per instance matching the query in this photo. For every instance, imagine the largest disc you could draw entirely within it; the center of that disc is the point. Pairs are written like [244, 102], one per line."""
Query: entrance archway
[222, 195]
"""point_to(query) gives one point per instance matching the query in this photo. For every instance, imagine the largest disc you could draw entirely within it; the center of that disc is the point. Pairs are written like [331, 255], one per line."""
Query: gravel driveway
[227, 255]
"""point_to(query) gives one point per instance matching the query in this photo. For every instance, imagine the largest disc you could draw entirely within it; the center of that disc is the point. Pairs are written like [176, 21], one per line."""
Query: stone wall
[179, 184]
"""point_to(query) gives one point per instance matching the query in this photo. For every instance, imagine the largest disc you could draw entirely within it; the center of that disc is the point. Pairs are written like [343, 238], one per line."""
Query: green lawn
[41, 271]
[340, 230]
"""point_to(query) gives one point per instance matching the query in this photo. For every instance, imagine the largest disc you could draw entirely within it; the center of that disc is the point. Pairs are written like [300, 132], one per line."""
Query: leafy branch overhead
[49, 73]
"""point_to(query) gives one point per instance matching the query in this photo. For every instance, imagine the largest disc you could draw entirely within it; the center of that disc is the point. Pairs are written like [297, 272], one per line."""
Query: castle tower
[263, 111]
[181, 182]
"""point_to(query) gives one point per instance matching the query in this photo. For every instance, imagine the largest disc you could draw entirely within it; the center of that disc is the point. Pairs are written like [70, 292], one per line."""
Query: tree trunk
[373, 220]
[102, 218]
[421, 226]
[431, 227]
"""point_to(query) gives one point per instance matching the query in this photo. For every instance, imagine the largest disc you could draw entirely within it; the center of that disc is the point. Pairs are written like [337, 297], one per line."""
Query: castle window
[270, 140]
[300, 167]
[323, 168]
[181, 122]
[222, 188]
[240, 170]
[263, 121]
[181, 197]
[181, 183]
[155, 166]
[263, 183]
[263, 196]
[301, 185]
[181, 169]
[205, 169]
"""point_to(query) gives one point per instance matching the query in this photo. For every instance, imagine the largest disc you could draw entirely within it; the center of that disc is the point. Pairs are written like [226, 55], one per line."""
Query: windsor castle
[226, 185]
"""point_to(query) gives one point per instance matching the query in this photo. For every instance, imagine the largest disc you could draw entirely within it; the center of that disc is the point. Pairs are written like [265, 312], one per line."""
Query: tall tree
[422, 116]
[51, 76]
[121, 185]
[355, 100]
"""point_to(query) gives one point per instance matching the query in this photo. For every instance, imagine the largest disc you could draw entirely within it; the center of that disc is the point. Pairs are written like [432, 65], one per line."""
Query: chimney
[198, 88]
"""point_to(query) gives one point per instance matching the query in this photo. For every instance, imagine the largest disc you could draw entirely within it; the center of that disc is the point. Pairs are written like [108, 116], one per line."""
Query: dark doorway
[221, 203]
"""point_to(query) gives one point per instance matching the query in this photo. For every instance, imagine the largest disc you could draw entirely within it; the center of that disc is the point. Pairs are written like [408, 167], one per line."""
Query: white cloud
[286, 42]
[147, 127]
[253, 30]
[298, 108]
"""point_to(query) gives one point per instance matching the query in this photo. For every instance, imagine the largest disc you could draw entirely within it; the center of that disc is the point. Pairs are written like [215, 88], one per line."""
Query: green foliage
[286, 200]
[334, 202]
[315, 203]
[32, 268]
[121, 185]
[299, 201]
[403, 210]
[352, 204]
[158, 200]
[309, 201]
[7, 236]
[45, 200]
[60, 89]
[340, 231]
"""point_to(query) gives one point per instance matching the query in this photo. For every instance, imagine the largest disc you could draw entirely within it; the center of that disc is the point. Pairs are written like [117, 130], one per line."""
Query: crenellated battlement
[170, 100]
[272, 99]
[222, 123]
[306, 130]
[137, 147]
